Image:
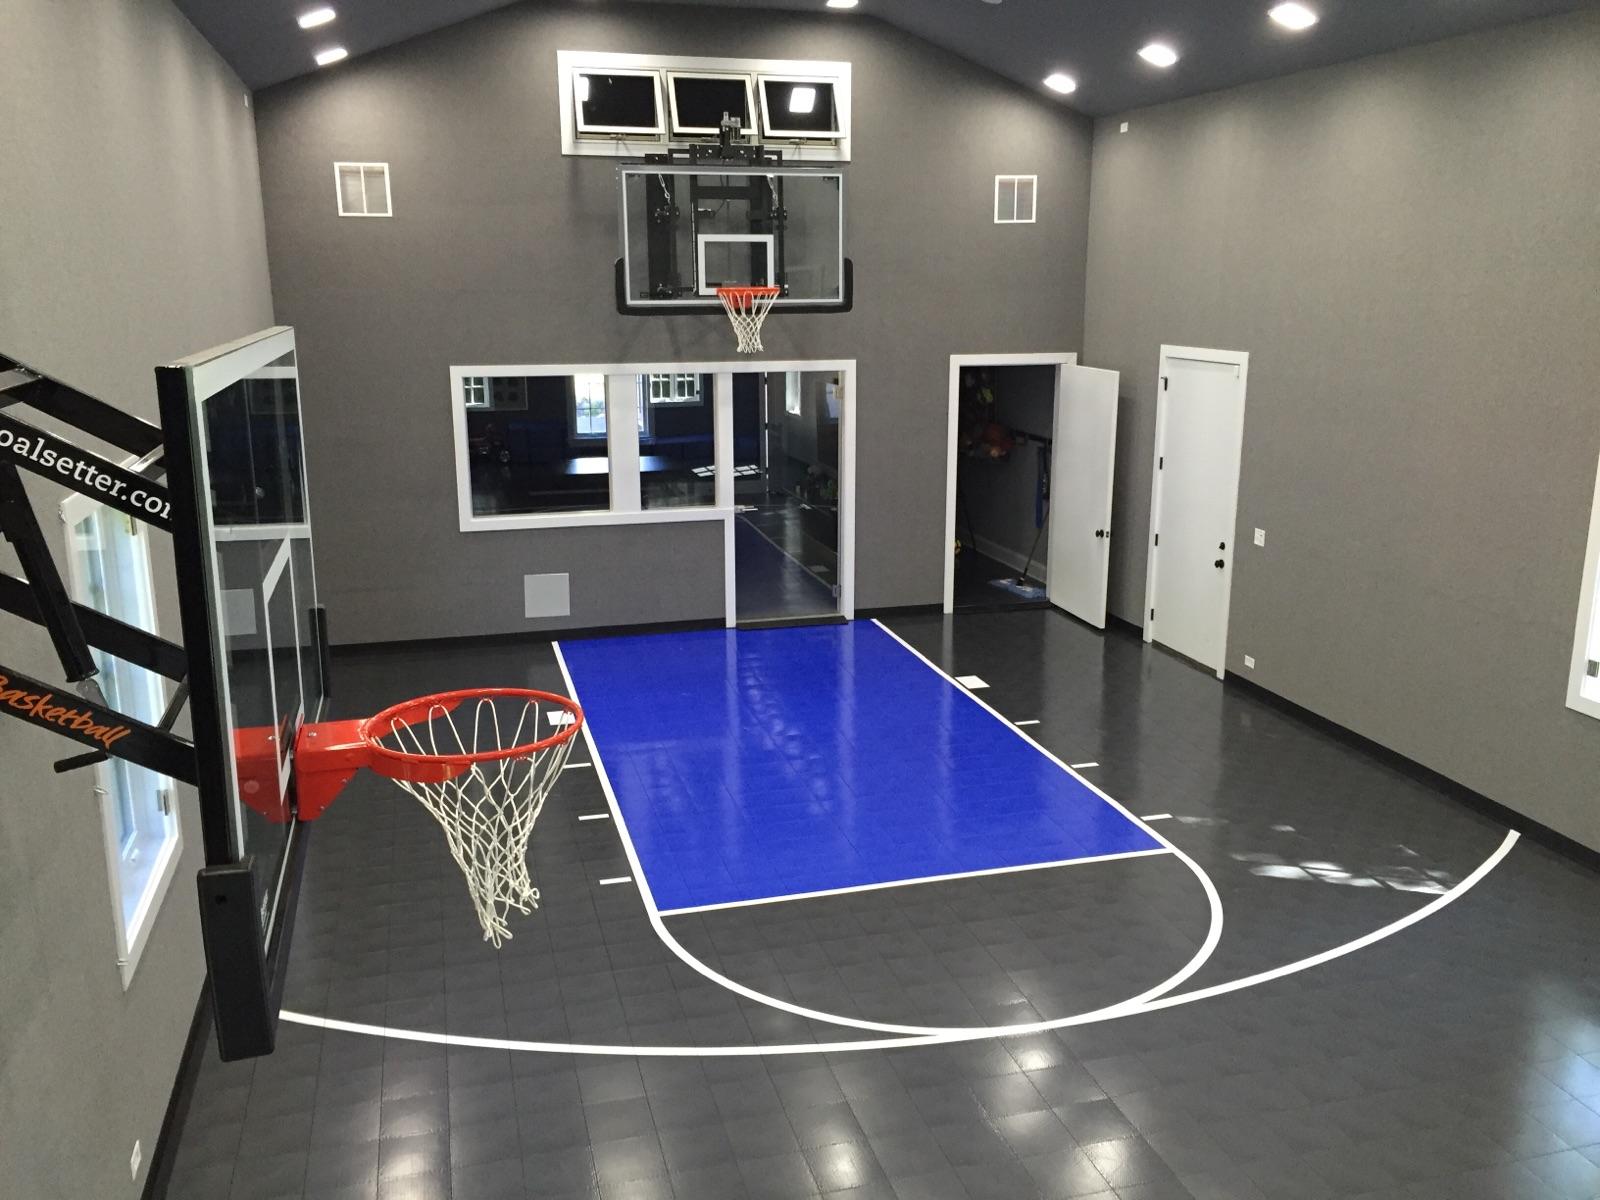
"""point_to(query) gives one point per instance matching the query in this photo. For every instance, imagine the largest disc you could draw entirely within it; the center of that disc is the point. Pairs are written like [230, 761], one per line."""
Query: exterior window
[674, 389]
[109, 570]
[589, 406]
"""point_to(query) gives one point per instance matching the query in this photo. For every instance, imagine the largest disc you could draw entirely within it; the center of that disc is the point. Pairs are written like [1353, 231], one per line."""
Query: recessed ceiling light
[1065, 84]
[1293, 16]
[331, 55]
[802, 99]
[843, 3]
[1159, 54]
[316, 16]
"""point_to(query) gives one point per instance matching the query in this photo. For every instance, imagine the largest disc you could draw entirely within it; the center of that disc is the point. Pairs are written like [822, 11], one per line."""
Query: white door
[1194, 501]
[1082, 467]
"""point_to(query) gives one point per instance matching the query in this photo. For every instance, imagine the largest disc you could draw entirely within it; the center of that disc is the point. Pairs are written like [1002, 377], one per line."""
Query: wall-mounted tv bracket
[40, 596]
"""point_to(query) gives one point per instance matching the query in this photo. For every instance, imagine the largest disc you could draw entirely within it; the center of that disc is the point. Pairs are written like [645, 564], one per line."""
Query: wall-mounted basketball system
[700, 220]
[225, 475]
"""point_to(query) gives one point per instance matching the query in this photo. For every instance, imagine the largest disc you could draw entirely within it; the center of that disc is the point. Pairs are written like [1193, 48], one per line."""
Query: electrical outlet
[138, 1157]
[1250, 662]
[1261, 537]
[1124, 127]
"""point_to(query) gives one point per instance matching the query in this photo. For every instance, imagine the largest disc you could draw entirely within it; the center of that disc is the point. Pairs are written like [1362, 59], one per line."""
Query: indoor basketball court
[837, 599]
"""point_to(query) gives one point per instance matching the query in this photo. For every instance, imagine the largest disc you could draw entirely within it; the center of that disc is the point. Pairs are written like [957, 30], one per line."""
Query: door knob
[1218, 564]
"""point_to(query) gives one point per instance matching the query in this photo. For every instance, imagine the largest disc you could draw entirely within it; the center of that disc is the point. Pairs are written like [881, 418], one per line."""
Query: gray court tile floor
[1458, 1059]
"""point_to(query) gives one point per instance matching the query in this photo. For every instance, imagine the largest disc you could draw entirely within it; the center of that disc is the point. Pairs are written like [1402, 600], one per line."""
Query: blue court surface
[754, 764]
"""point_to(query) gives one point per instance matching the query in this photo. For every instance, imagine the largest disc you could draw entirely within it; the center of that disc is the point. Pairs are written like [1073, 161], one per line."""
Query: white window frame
[640, 131]
[132, 933]
[676, 392]
[1016, 192]
[1583, 689]
[681, 130]
[808, 147]
[770, 127]
[622, 395]
[388, 194]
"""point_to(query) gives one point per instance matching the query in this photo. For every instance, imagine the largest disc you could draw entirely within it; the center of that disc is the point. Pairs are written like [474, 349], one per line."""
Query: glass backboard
[689, 230]
[242, 547]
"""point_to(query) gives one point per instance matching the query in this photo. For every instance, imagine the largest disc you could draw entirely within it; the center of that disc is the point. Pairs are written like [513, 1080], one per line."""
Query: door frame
[845, 368]
[1234, 358]
[1057, 359]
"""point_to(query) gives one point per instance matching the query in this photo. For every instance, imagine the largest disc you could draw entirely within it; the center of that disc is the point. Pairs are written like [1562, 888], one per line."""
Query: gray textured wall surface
[1409, 249]
[130, 234]
[501, 251]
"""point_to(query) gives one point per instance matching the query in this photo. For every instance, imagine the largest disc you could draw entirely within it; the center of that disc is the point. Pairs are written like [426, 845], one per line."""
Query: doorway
[1194, 501]
[1005, 435]
[787, 486]
[1032, 448]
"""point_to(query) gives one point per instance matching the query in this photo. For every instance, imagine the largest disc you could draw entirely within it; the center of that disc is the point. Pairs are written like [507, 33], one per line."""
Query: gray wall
[1409, 249]
[130, 234]
[1000, 496]
[501, 251]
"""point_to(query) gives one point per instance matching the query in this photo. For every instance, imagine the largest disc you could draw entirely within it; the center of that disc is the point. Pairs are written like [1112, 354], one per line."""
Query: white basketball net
[488, 811]
[747, 308]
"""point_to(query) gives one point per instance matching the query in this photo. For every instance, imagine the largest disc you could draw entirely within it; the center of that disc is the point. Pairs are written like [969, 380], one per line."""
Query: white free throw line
[595, 817]
[1034, 721]
[873, 887]
[1084, 766]
[1158, 817]
[616, 879]
[970, 1035]
[576, 766]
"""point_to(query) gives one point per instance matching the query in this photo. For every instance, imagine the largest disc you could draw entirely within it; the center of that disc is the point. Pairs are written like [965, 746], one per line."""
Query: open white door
[1082, 467]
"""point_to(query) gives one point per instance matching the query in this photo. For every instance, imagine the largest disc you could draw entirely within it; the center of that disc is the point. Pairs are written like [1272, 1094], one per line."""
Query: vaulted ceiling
[1220, 42]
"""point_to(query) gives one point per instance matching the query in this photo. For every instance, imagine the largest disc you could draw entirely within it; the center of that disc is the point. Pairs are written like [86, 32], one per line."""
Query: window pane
[539, 445]
[797, 107]
[677, 452]
[617, 101]
[702, 101]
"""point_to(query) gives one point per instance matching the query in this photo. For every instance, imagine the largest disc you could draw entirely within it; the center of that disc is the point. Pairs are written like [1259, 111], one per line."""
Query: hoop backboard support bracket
[40, 596]
[713, 306]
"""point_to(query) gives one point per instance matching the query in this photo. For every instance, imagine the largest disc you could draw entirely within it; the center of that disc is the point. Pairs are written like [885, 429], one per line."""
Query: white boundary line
[1153, 1000]
[1214, 901]
[892, 883]
[1127, 1009]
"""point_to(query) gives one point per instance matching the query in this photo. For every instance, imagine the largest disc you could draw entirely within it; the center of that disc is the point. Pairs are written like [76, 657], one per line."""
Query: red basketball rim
[411, 712]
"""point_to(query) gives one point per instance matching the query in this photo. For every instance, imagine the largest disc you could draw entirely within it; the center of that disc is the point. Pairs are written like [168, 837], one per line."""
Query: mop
[1020, 585]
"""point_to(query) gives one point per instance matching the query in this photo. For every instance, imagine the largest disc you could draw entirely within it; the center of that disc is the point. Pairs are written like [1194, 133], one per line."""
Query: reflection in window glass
[677, 446]
[538, 445]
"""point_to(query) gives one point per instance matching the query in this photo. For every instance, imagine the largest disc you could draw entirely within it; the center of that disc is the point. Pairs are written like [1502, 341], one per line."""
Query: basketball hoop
[475, 761]
[747, 308]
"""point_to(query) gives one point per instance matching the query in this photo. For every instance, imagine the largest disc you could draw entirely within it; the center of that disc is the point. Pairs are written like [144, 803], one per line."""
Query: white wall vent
[362, 189]
[1015, 199]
